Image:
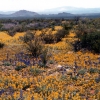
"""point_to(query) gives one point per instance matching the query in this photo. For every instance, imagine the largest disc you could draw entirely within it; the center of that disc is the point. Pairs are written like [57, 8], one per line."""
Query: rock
[54, 74]
[28, 89]
[74, 67]
[69, 71]
[70, 52]
[59, 66]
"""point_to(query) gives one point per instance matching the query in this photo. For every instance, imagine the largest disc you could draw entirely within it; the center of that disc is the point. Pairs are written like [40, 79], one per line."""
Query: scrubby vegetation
[91, 41]
[50, 59]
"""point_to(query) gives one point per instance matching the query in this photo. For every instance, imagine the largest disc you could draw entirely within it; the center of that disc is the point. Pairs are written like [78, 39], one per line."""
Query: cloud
[38, 5]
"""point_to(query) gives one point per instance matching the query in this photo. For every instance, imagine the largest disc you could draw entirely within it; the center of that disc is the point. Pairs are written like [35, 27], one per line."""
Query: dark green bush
[51, 61]
[48, 38]
[93, 70]
[74, 78]
[82, 71]
[35, 71]
[7, 64]
[28, 37]
[45, 56]
[35, 47]
[60, 34]
[18, 68]
[91, 41]
[97, 80]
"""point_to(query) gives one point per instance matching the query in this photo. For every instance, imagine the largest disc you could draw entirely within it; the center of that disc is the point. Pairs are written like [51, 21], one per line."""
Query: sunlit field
[49, 64]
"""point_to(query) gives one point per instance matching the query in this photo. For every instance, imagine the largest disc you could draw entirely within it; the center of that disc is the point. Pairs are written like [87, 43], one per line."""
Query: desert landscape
[50, 59]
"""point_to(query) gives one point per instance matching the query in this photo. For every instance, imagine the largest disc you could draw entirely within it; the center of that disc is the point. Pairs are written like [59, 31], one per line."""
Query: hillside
[66, 73]
[24, 13]
[60, 14]
[57, 62]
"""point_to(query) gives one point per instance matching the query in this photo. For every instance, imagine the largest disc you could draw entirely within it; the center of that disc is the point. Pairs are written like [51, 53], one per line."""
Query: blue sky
[40, 5]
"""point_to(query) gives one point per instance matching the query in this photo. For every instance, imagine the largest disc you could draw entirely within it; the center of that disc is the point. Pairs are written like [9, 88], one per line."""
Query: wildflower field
[57, 73]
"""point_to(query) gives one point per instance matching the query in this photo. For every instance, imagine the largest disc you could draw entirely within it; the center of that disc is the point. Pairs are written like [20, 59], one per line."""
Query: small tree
[91, 41]
[35, 47]
[45, 57]
[11, 32]
[59, 35]
[28, 37]
[48, 38]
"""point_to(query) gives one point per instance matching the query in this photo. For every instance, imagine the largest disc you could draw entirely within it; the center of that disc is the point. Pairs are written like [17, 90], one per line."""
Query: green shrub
[97, 80]
[7, 64]
[82, 71]
[48, 38]
[35, 47]
[74, 78]
[28, 37]
[51, 61]
[93, 70]
[20, 67]
[41, 64]
[91, 41]
[63, 77]
[45, 57]
[35, 71]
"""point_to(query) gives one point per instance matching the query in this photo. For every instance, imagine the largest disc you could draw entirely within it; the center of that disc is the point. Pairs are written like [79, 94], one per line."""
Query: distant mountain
[65, 14]
[60, 13]
[21, 13]
[6, 12]
[73, 10]
[2, 15]
[24, 13]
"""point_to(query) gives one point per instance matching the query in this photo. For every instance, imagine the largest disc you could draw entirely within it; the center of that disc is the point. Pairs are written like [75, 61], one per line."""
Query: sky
[40, 5]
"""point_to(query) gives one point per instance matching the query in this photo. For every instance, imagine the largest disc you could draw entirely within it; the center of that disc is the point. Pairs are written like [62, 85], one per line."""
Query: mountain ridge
[73, 10]
[25, 13]
[22, 13]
